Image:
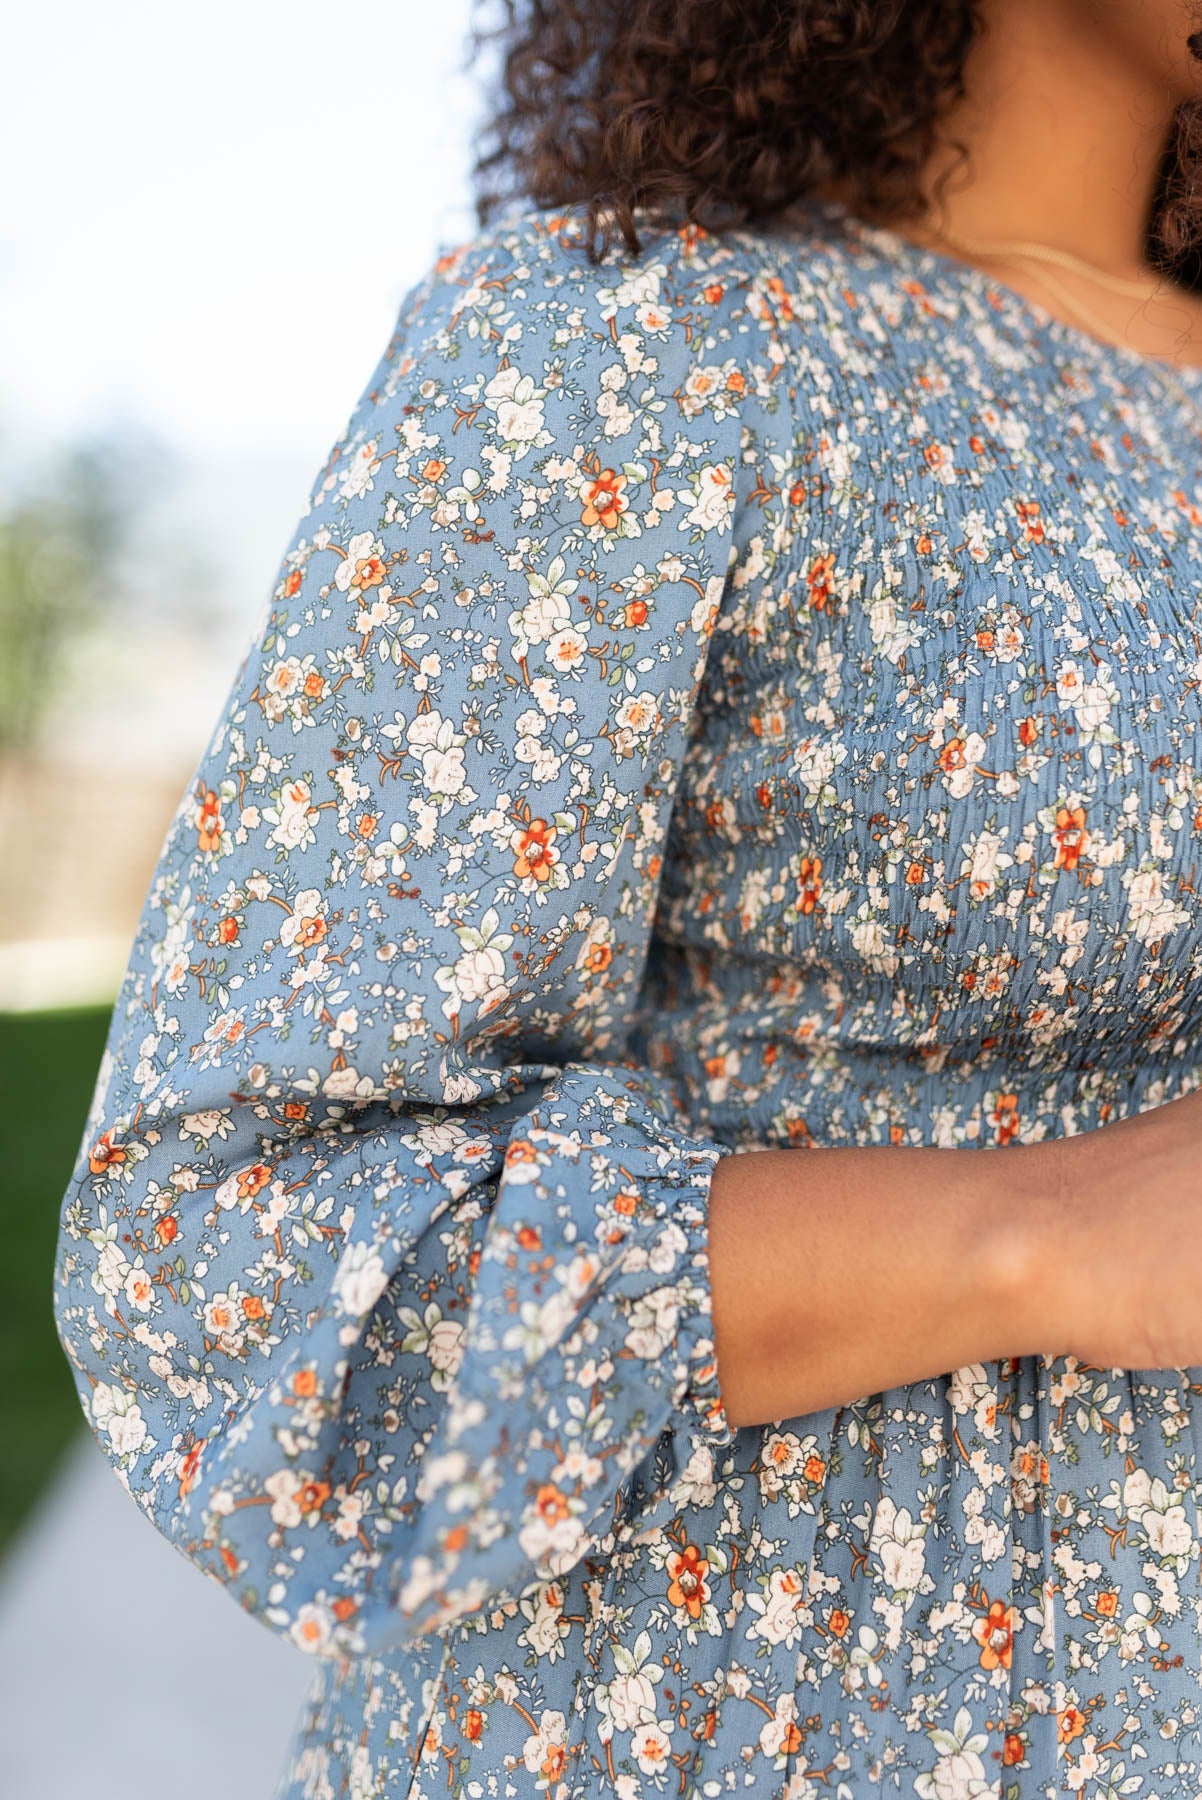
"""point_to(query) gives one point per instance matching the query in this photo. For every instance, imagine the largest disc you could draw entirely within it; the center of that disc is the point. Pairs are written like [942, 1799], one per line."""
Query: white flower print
[362, 566]
[360, 1279]
[518, 404]
[711, 500]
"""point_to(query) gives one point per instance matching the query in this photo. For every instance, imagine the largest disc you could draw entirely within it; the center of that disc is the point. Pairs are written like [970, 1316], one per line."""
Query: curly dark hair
[725, 112]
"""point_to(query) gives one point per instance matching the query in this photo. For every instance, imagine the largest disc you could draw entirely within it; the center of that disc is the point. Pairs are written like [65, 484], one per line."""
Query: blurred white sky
[210, 213]
[208, 219]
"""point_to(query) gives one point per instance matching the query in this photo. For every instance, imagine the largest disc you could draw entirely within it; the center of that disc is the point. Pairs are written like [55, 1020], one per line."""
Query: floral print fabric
[742, 694]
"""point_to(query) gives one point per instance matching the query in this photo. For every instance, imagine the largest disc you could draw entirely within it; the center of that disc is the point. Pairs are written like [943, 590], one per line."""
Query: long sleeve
[383, 1270]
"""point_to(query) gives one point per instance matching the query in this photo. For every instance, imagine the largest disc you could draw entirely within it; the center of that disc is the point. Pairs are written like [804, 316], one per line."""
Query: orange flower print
[1107, 1603]
[1005, 1118]
[1028, 512]
[304, 1383]
[1070, 1723]
[597, 958]
[1191, 510]
[809, 882]
[534, 851]
[553, 1762]
[838, 1621]
[310, 930]
[995, 1634]
[521, 1155]
[771, 723]
[551, 1504]
[818, 580]
[227, 930]
[780, 295]
[1028, 731]
[188, 1470]
[1070, 837]
[209, 823]
[1013, 1749]
[253, 1180]
[604, 502]
[473, 1725]
[687, 1586]
[105, 1155]
[369, 571]
[952, 756]
[292, 584]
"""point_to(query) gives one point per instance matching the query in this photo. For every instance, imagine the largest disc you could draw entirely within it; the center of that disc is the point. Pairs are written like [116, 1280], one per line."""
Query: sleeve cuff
[588, 1388]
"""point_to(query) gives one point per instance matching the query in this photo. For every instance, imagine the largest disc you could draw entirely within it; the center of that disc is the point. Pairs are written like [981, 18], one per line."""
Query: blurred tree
[60, 542]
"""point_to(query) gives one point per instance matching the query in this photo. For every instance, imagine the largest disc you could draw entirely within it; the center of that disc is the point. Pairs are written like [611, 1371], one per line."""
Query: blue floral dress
[741, 694]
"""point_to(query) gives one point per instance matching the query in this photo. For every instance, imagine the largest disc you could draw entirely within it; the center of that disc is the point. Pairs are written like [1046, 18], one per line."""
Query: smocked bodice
[933, 874]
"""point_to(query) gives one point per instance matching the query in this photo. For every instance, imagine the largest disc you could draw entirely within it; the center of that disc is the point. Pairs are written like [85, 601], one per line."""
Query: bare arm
[836, 1273]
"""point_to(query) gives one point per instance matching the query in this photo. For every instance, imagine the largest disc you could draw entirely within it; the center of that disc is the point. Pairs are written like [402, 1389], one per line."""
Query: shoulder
[690, 306]
[812, 250]
[531, 263]
[515, 350]
[515, 347]
[745, 309]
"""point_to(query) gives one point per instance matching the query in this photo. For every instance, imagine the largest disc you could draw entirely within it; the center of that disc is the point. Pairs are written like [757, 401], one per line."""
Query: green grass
[48, 1066]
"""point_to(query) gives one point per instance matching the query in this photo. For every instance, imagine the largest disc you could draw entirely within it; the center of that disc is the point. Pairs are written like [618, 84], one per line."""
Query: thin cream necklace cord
[1022, 248]
[1119, 284]
[1084, 313]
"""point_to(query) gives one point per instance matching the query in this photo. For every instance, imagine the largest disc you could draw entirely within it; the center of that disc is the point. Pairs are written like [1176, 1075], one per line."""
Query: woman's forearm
[836, 1273]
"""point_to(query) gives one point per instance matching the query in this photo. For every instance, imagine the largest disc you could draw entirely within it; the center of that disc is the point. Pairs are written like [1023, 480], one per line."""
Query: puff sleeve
[383, 1268]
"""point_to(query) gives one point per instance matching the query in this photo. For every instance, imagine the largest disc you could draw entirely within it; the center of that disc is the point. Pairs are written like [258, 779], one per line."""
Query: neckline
[1019, 305]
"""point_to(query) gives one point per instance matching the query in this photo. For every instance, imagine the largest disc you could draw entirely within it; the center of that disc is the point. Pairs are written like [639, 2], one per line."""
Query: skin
[838, 1274]
[1067, 108]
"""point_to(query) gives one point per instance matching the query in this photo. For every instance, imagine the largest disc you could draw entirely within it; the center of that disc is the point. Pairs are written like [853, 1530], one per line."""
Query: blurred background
[209, 219]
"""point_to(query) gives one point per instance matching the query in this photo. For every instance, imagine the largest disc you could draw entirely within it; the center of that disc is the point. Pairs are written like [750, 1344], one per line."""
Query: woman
[731, 695]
